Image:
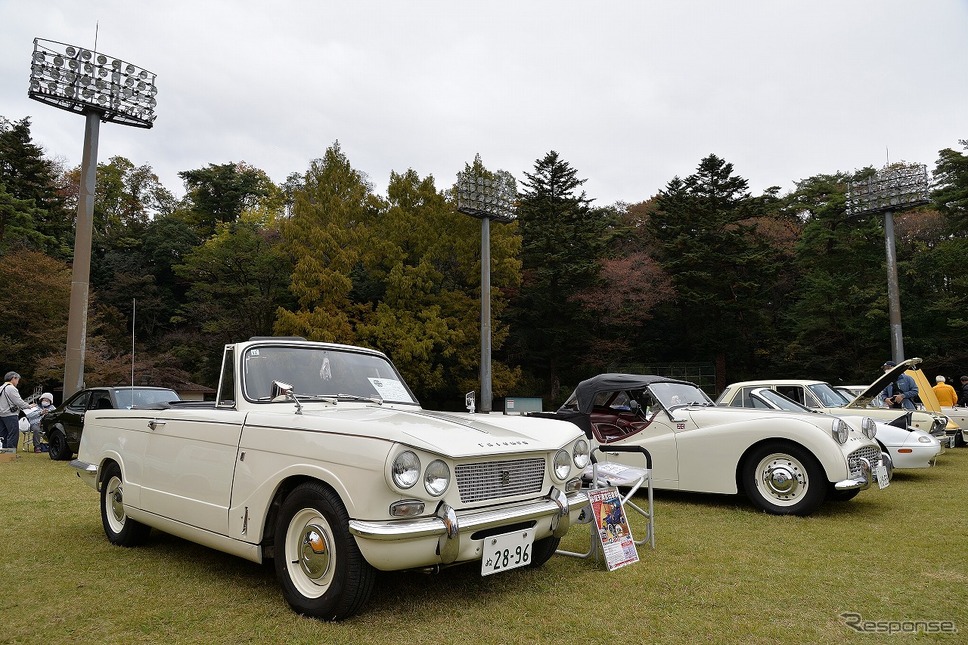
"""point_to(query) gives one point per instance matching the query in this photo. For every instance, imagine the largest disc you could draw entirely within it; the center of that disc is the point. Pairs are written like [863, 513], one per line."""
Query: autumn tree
[327, 232]
[219, 193]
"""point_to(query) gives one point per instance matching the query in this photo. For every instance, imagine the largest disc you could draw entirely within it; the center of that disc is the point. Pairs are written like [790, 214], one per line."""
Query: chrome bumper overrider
[448, 526]
[861, 481]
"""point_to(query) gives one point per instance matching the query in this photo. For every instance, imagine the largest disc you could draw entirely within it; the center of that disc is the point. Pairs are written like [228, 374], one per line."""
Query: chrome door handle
[154, 424]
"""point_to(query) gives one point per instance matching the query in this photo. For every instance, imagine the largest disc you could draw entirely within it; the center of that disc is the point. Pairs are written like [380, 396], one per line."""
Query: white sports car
[786, 463]
[905, 447]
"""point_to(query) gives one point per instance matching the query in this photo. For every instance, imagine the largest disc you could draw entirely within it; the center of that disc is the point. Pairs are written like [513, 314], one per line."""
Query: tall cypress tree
[563, 239]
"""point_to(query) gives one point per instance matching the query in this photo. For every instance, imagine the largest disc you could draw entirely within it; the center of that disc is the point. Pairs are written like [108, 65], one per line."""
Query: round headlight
[840, 430]
[869, 427]
[923, 438]
[580, 455]
[406, 469]
[437, 477]
[562, 464]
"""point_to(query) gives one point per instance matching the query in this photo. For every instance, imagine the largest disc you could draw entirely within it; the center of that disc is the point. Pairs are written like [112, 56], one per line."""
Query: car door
[71, 418]
[659, 438]
[189, 463]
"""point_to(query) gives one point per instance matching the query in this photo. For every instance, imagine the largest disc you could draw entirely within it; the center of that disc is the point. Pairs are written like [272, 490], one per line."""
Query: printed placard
[612, 526]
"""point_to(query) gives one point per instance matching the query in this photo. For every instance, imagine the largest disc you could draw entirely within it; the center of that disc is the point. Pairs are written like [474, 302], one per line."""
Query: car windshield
[673, 395]
[778, 401]
[139, 397]
[828, 396]
[322, 373]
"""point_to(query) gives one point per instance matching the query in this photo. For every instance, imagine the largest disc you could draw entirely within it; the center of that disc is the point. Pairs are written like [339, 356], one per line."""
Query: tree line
[701, 271]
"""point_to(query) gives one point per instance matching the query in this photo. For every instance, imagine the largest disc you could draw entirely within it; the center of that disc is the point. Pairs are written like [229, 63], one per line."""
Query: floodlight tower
[487, 198]
[894, 188]
[102, 88]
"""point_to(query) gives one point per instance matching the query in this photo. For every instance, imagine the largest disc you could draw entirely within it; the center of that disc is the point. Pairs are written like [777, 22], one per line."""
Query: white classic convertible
[786, 463]
[319, 457]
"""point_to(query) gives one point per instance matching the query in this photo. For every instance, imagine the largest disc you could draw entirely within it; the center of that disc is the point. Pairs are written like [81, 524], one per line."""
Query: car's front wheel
[120, 529]
[319, 567]
[784, 479]
[57, 445]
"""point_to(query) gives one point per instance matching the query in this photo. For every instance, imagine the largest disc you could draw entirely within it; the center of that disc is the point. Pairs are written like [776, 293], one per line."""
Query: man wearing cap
[963, 391]
[945, 393]
[10, 405]
[901, 392]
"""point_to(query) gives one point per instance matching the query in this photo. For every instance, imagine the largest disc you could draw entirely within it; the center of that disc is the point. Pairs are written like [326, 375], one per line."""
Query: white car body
[820, 395]
[332, 421]
[697, 446]
[906, 447]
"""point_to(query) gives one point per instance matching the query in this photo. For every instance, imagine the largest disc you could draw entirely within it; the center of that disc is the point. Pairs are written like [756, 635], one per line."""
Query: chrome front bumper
[447, 526]
[861, 481]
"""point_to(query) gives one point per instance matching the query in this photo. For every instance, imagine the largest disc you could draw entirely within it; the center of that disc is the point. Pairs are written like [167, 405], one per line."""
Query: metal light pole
[102, 88]
[486, 196]
[894, 188]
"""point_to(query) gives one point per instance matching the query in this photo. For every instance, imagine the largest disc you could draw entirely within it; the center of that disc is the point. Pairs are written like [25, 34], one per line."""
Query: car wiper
[333, 398]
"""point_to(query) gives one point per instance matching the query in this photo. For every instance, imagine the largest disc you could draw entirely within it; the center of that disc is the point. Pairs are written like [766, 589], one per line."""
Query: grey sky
[631, 94]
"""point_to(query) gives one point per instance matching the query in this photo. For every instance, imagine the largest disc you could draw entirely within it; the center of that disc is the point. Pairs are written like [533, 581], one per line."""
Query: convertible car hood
[451, 434]
[878, 386]
[707, 416]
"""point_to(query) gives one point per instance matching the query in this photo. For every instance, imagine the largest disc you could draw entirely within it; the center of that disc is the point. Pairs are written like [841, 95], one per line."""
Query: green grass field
[721, 573]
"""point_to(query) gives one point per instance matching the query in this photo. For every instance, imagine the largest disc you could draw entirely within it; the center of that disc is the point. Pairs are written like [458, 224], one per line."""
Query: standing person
[901, 392]
[945, 393]
[10, 405]
[963, 392]
[46, 405]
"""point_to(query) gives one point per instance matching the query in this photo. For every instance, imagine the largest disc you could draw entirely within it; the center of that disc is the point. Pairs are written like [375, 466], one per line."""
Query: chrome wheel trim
[310, 552]
[781, 479]
[114, 501]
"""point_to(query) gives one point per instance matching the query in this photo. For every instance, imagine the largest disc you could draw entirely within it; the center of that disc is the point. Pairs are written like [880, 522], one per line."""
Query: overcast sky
[631, 93]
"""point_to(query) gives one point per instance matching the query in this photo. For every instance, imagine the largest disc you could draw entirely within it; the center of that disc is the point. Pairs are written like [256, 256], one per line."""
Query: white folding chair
[629, 478]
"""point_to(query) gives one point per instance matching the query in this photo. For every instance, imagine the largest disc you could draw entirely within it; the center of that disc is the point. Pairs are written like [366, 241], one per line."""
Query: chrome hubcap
[117, 503]
[314, 552]
[783, 477]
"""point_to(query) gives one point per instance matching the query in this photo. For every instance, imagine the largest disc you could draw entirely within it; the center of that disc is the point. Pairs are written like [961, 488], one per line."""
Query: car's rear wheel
[57, 445]
[120, 529]
[319, 567]
[784, 479]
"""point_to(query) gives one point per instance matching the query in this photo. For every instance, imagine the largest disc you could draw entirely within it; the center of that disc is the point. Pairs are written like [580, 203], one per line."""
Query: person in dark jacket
[963, 392]
[902, 392]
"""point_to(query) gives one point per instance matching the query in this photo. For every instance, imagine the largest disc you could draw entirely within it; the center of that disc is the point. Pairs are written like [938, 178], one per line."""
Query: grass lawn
[721, 573]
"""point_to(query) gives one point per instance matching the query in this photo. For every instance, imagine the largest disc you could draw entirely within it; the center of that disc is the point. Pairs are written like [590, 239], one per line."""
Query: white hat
[939, 378]
[48, 396]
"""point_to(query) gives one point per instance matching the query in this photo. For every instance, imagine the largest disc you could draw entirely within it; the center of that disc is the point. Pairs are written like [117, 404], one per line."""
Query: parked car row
[318, 457]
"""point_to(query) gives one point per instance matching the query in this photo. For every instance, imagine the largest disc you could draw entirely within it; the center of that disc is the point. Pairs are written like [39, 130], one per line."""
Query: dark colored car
[63, 426]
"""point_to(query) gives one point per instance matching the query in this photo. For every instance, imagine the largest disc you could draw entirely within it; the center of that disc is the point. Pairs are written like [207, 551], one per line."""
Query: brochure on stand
[612, 526]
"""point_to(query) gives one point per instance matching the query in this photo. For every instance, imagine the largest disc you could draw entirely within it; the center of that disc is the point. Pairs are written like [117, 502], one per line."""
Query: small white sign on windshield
[390, 389]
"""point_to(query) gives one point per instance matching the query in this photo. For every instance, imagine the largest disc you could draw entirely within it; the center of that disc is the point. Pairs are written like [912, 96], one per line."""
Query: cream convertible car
[318, 457]
[901, 446]
[786, 463]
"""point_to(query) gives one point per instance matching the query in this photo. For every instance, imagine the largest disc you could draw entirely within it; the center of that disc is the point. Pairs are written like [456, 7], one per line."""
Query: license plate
[882, 479]
[507, 551]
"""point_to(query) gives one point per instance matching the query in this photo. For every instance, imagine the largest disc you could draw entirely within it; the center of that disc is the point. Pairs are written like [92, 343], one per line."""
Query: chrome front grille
[497, 479]
[871, 453]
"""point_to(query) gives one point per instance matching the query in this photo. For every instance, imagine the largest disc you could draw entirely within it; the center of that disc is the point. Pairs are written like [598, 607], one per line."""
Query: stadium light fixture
[894, 188]
[486, 197]
[102, 88]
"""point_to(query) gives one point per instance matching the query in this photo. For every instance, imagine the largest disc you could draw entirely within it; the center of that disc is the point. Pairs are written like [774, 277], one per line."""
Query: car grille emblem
[505, 478]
